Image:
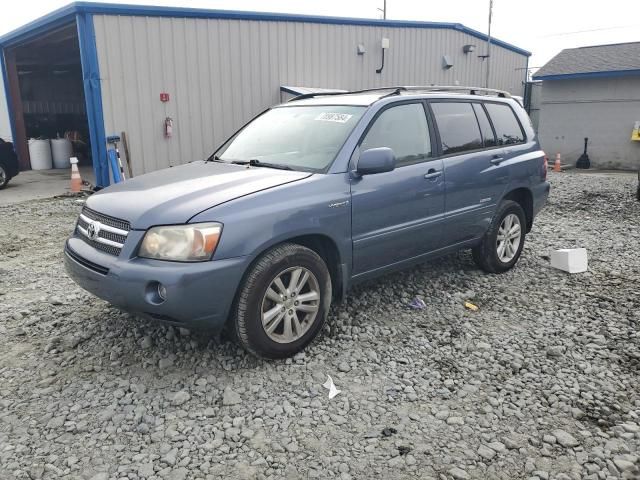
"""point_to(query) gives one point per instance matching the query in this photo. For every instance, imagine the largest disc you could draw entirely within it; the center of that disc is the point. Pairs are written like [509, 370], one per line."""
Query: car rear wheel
[4, 177]
[502, 245]
[283, 302]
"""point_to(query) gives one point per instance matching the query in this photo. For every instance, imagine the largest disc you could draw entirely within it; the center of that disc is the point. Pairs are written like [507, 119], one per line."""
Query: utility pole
[384, 10]
[486, 83]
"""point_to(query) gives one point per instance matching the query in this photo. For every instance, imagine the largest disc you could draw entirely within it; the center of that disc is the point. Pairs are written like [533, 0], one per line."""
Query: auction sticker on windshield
[334, 117]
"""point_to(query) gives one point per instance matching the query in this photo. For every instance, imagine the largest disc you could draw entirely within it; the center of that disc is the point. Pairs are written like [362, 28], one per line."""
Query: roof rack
[397, 90]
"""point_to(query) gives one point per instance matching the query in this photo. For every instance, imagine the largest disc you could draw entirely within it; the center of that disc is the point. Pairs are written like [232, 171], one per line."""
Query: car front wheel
[283, 302]
[502, 245]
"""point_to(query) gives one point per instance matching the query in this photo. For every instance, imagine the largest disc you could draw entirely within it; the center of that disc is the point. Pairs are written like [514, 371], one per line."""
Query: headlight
[181, 243]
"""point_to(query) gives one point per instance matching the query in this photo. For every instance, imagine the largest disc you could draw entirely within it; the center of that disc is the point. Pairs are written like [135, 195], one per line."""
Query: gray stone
[165, 362]
[56, 422]
[486, 452]
[622, 464]
[459, 474]
[180, 398]
[170, 457]
[145, 470]
[178, 474]
[100, 476]
[556, 351]
[565, 439]
[455, 421]
[230, 397]
[344, 367]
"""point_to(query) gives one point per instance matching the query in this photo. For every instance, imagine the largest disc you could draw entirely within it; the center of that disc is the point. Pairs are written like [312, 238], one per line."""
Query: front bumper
[199, 295]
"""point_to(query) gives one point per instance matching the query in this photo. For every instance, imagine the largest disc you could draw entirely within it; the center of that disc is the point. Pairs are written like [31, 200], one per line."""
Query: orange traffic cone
[76, 181]
[557, 164]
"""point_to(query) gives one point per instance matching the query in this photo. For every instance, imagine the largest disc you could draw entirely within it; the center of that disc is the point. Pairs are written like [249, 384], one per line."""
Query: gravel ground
[541, 382]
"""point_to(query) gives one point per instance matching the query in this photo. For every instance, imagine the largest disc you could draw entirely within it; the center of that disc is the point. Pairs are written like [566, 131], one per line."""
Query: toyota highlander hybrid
[309, 198]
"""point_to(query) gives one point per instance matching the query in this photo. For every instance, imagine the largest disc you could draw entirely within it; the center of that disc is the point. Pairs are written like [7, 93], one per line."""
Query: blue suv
[306, 200]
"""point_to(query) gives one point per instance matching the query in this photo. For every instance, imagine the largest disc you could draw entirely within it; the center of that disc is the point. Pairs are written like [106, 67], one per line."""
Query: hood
[174, 195]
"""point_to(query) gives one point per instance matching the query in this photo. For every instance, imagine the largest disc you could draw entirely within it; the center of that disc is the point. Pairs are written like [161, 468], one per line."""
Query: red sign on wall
[164, 97]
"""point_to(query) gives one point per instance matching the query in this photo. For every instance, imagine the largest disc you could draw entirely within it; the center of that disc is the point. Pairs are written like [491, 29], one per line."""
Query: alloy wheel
[290, 304]
[508, 240]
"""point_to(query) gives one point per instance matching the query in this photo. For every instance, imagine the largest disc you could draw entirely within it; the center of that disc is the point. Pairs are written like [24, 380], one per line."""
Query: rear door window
[404, 130]
[488, 138]
[505, 123]
[458, 127]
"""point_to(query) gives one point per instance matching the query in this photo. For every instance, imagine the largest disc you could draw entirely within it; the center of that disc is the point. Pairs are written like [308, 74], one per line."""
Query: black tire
[485, 255]
[246, 318]
[4, 177]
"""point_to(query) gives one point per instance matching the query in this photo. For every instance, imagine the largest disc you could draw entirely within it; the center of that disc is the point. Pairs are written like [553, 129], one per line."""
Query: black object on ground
[583, 161]
[402, 450]
[8, 163]
[387, 432]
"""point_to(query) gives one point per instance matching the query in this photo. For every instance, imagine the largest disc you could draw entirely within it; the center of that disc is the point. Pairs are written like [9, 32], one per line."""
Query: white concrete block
[572, 260]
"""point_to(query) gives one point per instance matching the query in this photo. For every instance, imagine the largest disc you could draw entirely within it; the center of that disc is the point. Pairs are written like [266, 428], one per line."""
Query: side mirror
[376, 160]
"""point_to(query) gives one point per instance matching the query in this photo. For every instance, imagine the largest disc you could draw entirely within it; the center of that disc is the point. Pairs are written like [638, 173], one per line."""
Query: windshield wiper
[257, 163]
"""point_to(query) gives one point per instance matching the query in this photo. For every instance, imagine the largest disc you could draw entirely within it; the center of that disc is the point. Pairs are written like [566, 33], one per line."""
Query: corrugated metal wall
[5, 125]
[220, 73]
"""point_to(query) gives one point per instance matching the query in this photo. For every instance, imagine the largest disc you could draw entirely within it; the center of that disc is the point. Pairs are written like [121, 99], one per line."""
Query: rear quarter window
[488, 137]
[505, 123]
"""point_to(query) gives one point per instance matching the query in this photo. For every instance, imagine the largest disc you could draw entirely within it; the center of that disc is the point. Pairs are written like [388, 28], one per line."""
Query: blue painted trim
[569, 76]
[44, 24]
[153, 11]
[93, 97]
[5, 82]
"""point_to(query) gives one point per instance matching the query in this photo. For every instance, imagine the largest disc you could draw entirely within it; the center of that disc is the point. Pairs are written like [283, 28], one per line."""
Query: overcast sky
[543, 27]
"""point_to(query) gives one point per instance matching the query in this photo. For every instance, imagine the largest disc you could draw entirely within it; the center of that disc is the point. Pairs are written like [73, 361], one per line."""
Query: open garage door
[46, 92]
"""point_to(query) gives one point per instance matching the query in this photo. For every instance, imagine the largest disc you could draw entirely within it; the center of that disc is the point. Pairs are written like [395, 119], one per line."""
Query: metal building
[592, 92]
[210, 71]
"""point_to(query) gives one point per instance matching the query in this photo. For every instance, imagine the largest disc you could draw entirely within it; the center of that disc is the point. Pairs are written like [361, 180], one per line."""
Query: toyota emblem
[92, 230]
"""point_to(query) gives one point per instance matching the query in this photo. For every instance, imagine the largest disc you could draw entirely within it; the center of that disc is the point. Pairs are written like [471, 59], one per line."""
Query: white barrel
[62, 152]
[40, 153]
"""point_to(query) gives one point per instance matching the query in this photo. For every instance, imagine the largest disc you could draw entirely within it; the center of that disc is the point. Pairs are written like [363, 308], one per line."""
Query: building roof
[595, 61]
[68, 13]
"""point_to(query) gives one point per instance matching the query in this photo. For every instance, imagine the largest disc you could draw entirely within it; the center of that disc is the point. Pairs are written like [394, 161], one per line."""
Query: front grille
[106, 219]
[111, 250]
[102, 232]
[86, 263]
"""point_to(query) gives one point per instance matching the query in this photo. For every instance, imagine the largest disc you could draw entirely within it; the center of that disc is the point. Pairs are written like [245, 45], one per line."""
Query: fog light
[155, 293]
[162, 291]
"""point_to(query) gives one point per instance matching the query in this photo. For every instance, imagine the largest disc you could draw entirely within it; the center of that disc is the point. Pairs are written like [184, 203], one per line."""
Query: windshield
[301, 138]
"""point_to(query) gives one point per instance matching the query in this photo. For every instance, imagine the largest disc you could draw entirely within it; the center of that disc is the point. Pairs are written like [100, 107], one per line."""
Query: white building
[592, 92]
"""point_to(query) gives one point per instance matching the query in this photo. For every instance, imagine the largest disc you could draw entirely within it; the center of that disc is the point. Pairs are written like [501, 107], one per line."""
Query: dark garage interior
[47, 93]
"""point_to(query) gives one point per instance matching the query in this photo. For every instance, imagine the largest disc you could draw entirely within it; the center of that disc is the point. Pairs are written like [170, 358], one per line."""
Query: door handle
[432, 174]
[497, 160]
